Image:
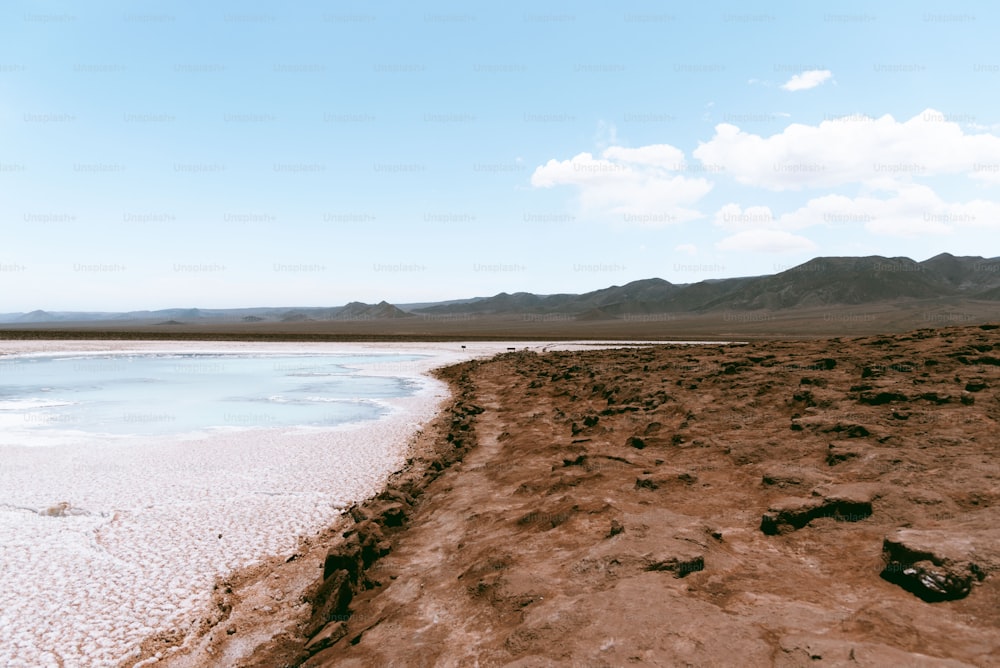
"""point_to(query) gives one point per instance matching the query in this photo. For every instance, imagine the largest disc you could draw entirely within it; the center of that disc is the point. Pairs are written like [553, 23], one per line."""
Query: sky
[311, 153]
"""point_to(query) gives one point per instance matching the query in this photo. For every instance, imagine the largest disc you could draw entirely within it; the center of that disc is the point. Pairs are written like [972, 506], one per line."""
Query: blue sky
[156, 155]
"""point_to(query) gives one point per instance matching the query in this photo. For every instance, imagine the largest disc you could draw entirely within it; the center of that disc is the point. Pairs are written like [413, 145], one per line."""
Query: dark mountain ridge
[823, 281]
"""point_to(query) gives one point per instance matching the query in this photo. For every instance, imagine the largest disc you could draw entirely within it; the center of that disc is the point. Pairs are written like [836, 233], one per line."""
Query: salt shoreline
[93, 586]
[160, 524]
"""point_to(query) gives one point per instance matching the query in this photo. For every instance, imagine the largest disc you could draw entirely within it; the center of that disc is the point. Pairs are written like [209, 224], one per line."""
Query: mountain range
[823, 281]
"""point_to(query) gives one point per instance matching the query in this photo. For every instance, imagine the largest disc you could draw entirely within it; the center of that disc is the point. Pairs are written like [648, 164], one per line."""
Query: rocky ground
[818, 503]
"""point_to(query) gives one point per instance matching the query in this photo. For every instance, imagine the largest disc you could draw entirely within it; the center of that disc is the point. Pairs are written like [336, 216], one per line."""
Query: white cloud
[766, 241]
[806, 80]
[912, 211]
[891, 163]
[881, 153]
[640, 184]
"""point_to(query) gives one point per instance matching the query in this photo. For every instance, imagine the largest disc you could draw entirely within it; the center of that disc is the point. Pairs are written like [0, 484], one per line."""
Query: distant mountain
[37, 316]
[833, 280]
[966, 274]
[355, 310]
[362, 311]
[519, 302]
[305, 314]
[181, 314]
[636, 296]
[863, 280]
[420, 305]
[823, 281]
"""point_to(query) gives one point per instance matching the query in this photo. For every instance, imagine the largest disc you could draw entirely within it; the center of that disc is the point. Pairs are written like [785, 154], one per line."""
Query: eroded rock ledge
[347, 569]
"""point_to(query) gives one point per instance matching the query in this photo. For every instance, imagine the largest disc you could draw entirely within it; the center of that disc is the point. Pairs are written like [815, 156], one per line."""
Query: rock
[849, 502]
[804, 397]
[976, 385]
[788, 514]
[678, 567]
[346, 556]
[362, 546]
[936, 565]
[396, 495]
[635, 442]
[332, 599]
[825, 364]
[372, 541]
[662, 479]
[844, 503]
[830, 424]
[936, 398]
[393, 514]
[327, 636]
[841, 451]
[678, 557]
[880, 398]
[646, 481]
[987, 359]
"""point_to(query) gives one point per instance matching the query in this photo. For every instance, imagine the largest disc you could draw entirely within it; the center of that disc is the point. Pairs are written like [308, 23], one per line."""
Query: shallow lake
[153, 394]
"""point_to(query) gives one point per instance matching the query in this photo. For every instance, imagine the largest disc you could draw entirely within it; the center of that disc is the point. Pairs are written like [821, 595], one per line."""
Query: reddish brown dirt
[607, 511]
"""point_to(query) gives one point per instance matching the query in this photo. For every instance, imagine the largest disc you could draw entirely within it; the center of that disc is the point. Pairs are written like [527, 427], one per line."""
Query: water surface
[168, 393]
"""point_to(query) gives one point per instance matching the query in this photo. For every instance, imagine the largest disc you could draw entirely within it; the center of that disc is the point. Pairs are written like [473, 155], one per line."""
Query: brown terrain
[813, 503]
